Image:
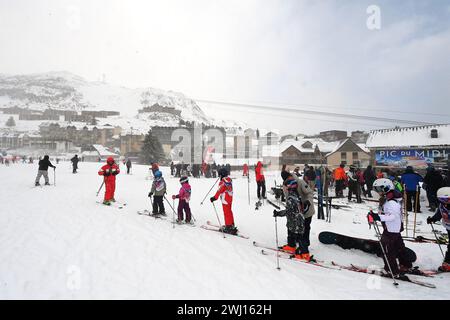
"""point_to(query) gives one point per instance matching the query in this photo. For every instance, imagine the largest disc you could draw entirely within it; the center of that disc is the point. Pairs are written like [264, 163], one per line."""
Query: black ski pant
[353, 188]
[394, 248]
[339, 188]
[410, 198]
[128, 170]
[158, 205]
[369, 190]
[261, 189]
[74, 169]
[184, 205]
[432, 199]
[301, 239]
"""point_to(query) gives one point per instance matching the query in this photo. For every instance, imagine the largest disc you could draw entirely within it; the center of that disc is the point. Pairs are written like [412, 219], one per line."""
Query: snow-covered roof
[298, 144]
[409, 137]
[102, 150]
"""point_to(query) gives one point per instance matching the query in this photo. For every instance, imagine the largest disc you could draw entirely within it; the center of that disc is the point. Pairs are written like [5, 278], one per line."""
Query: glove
[212, 199]
[174, 197]
[115, 173]
[106, 173]
[275, 213]
[150, 194]
[374, 216]
[429, 220]
[306, 205]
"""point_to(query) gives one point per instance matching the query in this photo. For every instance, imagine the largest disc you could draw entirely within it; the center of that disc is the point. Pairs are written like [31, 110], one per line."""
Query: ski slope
[57, 242]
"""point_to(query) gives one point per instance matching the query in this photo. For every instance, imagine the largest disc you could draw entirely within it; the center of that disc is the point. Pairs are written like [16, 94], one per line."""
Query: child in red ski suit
[109, 172]
[225, 193]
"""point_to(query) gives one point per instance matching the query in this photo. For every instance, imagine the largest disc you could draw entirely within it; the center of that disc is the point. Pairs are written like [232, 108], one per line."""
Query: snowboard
[366, 245]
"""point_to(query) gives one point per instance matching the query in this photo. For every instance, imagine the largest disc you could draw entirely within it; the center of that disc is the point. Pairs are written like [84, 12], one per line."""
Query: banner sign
[410, 157]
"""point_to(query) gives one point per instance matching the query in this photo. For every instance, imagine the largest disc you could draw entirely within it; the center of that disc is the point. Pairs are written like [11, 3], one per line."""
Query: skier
[154, 167]
[310, 177]
[432, 182]
[158, 190]
[369, 178]
[411, 180]
[43, 170]
[245, 170]
[172, 169]
[75, 161]
[391, 218]
[340, 178]
[353, 185]
[184, 195]
[109, 172]
[260, 181]
[443, 213]
[297, 172]
[225, 192]
[295, 224]
[128, 164]
[306, 195]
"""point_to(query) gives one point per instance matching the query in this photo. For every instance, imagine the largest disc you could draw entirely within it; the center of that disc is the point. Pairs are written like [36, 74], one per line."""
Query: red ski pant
[110, 188]
[228, 214]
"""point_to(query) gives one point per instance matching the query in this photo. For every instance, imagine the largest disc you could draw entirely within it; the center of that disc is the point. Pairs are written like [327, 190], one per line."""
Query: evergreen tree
[11, 122]
[152, 150]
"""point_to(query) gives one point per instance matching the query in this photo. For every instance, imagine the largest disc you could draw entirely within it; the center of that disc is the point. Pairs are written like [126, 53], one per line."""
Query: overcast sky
[255, 51]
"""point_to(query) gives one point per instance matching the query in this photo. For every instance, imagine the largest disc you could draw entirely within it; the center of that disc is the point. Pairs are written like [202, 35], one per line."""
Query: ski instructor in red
[109, 172]
[225, 193]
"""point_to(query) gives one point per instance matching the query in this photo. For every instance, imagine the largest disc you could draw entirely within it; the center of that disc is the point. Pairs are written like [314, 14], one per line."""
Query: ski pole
[276, 239]
[248, 186]
[173, 210]
[101, 187]
[415, 211]
[377, 231]
[438, 242]
[221, 229]
[209, 191]
[54, 177]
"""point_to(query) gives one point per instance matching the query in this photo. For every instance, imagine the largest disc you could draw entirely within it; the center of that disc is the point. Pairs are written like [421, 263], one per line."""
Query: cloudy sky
[311, 55]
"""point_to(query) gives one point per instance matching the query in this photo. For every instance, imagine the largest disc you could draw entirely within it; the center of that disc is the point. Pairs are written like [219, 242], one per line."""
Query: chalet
[348, 152]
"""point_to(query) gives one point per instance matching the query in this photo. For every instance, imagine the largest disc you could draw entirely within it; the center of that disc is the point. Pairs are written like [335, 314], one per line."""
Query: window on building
[355, 155]
[343, 156]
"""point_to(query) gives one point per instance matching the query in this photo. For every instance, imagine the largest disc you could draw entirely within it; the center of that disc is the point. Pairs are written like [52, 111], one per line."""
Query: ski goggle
[381, 189]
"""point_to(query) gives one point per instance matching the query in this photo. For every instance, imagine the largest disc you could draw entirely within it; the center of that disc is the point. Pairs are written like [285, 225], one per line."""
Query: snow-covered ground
[57, 242]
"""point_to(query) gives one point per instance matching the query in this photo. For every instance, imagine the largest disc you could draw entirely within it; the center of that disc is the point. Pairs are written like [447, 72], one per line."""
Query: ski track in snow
[56, 242]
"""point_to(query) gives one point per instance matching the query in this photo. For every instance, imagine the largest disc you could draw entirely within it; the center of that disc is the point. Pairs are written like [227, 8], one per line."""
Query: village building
[417, 146]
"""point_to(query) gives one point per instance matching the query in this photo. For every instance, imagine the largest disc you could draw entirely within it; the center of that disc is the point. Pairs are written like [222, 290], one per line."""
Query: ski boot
[37, 184]
[288, 249]
[445, 267]
[163, 214]
[230, 230]
[113, 200]
[47, 184]
[107, 203]
[303, 256]
[178, 221]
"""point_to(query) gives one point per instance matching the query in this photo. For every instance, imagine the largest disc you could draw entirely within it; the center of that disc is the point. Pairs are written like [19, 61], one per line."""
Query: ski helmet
[110, 160]
[158, 174]
[383, 185]
[184, 179]
[223, 172]
[443, 195]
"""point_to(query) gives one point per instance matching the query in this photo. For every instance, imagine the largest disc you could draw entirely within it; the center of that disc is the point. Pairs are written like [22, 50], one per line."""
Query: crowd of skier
[298, 189]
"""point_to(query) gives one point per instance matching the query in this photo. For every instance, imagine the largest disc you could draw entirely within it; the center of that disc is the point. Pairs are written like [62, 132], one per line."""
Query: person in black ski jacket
[128, 164]
[295, 224]
[431, 183]
[75, 161]
[43, 170]
[369, 179]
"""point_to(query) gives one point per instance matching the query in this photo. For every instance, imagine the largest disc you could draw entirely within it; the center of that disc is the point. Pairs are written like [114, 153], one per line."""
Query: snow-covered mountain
[66, 91]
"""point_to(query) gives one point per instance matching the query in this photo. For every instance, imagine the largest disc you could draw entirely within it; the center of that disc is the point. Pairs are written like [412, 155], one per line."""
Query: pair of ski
[420, 239]
[213, 227]
[162, 217]
[336, 266]
[113, 204]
